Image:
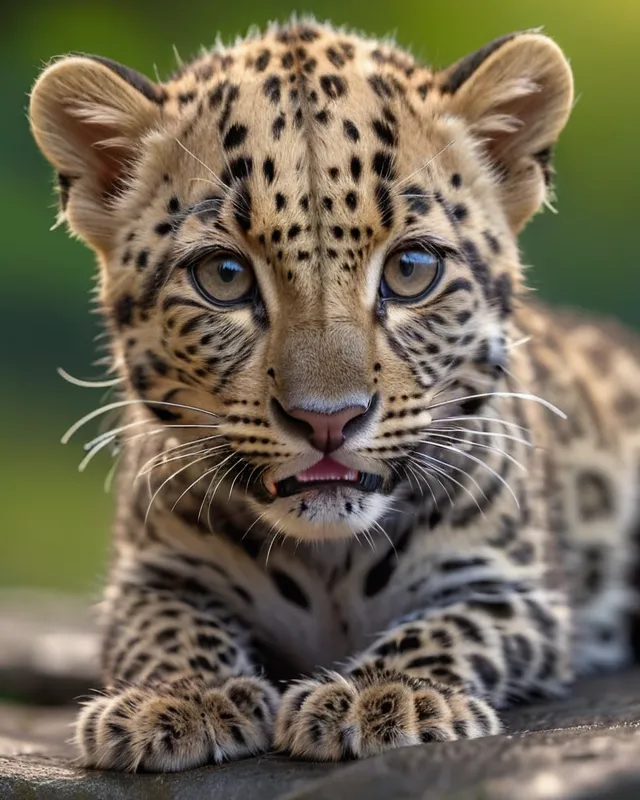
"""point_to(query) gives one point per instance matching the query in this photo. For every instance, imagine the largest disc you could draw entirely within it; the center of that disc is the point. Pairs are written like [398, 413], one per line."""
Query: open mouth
[326, 472]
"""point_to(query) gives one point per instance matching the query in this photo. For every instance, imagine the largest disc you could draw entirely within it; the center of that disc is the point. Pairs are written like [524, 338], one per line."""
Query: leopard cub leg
[180, 692]
[438, 676]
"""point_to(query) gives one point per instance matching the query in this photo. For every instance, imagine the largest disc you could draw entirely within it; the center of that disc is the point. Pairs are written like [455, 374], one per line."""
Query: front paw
[176, 726]
[336, 717]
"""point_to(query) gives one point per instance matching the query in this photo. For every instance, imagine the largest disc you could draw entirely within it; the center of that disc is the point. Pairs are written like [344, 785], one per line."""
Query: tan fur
[490, 560]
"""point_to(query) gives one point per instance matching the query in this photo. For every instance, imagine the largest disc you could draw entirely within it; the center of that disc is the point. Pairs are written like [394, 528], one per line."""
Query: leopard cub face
[312, 237]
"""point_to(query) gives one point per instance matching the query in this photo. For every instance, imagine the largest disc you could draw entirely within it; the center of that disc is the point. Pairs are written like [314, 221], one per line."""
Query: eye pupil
[407, 267]
[228, 271]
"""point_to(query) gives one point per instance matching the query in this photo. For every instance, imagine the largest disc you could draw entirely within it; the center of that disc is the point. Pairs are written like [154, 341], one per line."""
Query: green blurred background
[54, 521]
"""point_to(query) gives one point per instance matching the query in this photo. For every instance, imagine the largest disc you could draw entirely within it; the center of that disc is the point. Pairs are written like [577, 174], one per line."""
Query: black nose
[326, 432]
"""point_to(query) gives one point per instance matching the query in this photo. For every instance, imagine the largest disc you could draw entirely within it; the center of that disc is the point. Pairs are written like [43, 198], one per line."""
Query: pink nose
[328, 429]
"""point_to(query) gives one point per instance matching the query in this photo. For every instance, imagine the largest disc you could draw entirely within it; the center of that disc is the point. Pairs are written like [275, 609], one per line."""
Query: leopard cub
[370, 492]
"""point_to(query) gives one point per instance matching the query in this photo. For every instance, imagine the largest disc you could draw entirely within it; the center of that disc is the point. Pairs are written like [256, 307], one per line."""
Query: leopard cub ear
[88, 116]
[517, 93]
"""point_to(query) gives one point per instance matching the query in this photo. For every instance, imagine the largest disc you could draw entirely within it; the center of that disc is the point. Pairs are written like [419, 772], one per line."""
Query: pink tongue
[327, 470]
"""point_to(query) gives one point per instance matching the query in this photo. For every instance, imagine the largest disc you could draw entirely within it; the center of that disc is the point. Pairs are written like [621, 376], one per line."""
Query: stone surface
[585, 747]
[48, 647]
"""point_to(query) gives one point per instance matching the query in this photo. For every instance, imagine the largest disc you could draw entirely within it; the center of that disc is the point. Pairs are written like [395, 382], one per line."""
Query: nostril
[293, 425]
[357, 423]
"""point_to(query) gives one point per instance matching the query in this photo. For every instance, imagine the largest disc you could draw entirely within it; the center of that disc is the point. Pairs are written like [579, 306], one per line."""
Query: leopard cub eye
[410, 275]
[223, 279]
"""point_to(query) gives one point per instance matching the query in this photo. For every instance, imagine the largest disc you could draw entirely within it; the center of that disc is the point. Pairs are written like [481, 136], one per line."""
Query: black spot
[271, 89]
[409, 643]
[350, 131]
[333, 86]
[278, 126]
[337, 231]
[235, 136]
[304, 202]
[595, 495]
[460, 212]
[173, 206]
[385, 205]
[157, 363]
[384, 132]
[163, 228]
[242, 593]
[139, 379]
[382, 163]
[281, 201]
[232, 96]
[334, 173]
[303, 255]
[351, 200]
[416, 199]
[478, 267]
[276, 235]
[380, 86]
[355, 234]
[123, 311]
[456, 180]
[268, 170]
[503, 292]
[216, 95]
[294, 230]
[336, 58]
[289, 589]
[327, 202]
[322, 116]
[262, 62]
[485, 670]
[441, 660]
[287, 60]
[356, 168]
[455, 564]
[492, 241]
[242, 210]
[380, 574]
[142, 259]
[239, 168]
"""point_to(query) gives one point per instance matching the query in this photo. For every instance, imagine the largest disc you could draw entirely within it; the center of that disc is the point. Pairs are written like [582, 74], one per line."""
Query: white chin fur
[325, 518]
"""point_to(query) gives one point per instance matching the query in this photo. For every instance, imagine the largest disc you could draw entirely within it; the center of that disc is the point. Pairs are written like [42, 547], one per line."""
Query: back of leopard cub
[343, 456]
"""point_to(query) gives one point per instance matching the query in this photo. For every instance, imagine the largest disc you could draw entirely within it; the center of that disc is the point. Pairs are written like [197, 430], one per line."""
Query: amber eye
[223, 279]
[410, 275]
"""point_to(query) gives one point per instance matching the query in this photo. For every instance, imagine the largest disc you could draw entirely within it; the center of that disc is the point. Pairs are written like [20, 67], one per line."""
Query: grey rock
[48, 647]
[584, 747]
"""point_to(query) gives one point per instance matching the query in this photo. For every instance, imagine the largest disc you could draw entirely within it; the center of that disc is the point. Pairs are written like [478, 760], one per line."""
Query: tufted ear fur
[88, 116]
[517, 93]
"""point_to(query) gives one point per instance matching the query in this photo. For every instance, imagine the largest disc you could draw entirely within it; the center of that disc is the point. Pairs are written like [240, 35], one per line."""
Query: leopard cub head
[312, 238]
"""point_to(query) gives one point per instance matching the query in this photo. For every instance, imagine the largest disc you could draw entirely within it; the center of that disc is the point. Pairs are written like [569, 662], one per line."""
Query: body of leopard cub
[338, 465]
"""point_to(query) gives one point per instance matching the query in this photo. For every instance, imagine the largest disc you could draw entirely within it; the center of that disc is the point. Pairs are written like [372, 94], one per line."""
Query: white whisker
[124, 403]
[87, 384]
[445, 474]
[481, 463]
[403, 181]
[166, 481]
[448, 438]
[517, 395]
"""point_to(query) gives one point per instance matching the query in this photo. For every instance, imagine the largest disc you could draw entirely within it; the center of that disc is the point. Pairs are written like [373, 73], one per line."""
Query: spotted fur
[491, 557]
